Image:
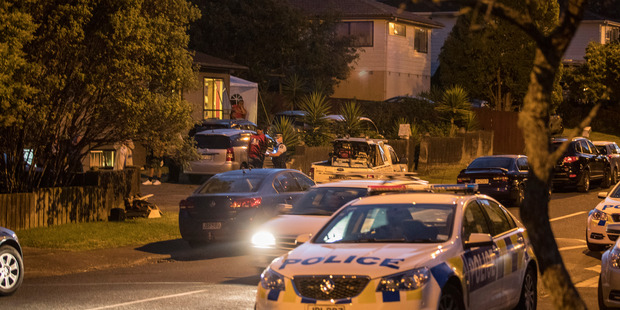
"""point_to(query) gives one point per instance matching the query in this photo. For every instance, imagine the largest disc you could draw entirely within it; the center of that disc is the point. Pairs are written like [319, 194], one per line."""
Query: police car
[609, 281]
[607, 211]
[423, 250]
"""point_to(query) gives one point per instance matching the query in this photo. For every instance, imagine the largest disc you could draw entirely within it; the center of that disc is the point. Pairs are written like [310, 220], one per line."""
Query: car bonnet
[609, 205]
[373, 260]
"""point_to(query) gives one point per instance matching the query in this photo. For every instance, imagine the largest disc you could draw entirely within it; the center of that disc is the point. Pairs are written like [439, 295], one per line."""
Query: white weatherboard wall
[588, 31]
[249, 92]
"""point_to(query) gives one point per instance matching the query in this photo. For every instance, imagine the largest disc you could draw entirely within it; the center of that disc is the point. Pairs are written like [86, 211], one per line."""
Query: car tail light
[230, 154]
[246, 203]
[570, 159]
[311, 173]
[463, 180]
[186, 204]
[610, 156]
[501, 178]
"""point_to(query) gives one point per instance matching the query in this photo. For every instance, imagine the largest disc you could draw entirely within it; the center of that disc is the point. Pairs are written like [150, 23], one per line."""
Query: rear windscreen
[232, 184]
[212, 142]
[498, 162]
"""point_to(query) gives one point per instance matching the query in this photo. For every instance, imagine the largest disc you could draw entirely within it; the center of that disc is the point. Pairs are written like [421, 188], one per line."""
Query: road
[220, 276]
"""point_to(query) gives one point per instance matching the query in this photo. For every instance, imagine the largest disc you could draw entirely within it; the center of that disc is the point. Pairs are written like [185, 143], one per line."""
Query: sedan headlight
[263, 239]
[404, 281]
[599, 215]
[614, 257]
[272, 280]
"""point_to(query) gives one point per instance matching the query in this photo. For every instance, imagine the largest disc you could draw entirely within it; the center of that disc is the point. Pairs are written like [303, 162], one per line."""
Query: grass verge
[441, 174]
[102, 235]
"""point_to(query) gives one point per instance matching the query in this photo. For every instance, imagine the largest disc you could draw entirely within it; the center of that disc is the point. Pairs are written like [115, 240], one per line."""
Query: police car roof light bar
[457, 188]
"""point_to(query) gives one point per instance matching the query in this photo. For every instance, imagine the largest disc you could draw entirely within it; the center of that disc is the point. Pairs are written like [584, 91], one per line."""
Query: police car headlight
[404, 281]
[272, 280]
[599, 215]
[263, 239]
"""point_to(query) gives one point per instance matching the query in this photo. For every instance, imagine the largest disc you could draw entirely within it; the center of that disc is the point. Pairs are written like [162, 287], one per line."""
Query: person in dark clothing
[257, 148]
[279, 154]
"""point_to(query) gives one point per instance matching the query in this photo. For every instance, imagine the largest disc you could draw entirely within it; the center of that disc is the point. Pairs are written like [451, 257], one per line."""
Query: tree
[274, 40]
[455, 106]
[599, 78]
[316, 106]
[105, 71]
[490, 57]
[351, 125]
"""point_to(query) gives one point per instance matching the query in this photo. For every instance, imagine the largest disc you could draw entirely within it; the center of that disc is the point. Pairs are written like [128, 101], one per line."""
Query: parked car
[215, 123]
[612, 151]
[220, 150]
[609, 278]
[500, 176]
[231, 204]
[580, 164]
[606, 212]
[277, 236]
[427, 250]
[11, 262]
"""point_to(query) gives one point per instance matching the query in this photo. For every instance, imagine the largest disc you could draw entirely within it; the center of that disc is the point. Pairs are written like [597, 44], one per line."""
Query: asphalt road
[221, 276]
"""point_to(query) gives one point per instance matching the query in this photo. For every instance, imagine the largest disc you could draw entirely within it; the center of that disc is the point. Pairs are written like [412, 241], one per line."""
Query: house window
[213, 92]
[398, 30]
[611, 35]
[362, 31]
[102, 158]
[421, 40]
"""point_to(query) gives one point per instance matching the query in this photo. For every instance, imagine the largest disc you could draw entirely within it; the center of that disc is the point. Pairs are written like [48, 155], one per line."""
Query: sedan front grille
[316, 287]
[286, 242]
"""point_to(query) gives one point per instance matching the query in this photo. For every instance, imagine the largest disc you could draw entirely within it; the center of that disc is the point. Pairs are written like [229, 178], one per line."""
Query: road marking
[572, 247]
[566, 216]
[592, 282]
[596, 268]
[148, 299]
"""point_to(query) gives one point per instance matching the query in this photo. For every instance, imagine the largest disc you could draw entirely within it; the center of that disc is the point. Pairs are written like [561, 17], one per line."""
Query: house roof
[362, 9]
[589, 16]
[209, 62]
[426, 6]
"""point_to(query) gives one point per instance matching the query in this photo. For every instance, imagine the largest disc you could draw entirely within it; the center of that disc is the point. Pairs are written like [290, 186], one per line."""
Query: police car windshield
[390, 223]
[326, 200]
[615, 193]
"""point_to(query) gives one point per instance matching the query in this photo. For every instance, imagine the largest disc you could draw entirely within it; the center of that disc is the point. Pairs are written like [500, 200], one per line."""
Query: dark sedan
[501, 176]
[581, 163]
[11, 262]
[230, 204]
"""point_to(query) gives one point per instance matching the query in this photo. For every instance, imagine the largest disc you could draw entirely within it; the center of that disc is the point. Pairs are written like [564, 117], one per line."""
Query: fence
[45, 207]
[460, 150]
[507, 136]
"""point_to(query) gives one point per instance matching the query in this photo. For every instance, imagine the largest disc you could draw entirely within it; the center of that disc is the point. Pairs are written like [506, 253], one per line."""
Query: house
[593, 28]
[394, 45]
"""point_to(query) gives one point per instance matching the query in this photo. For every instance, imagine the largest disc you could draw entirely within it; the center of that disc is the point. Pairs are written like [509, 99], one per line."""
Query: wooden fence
[507, 136]
[61, 205]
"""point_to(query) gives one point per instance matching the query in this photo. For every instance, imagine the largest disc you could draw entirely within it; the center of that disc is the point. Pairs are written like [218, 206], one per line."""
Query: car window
[326, 200]
[394, 156]
[304, 181]
[602, 149]
[491, 162]
[212, 141]
[615, 148]
[522, 163]
[576, 146]
[593, 148]
[500, 222]
[231, 184]
[585, 148]
[474, 220]
[285, 182]
[380, 158]
[241, 140]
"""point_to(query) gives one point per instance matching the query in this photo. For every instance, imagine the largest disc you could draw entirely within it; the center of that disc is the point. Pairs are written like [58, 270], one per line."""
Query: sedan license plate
[211, 225]
[482, 181]
[327, 307]
[207, 157]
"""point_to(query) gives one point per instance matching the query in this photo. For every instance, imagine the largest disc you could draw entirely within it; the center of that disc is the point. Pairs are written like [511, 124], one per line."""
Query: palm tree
[351, 126]
[455, 105]
[316, 106]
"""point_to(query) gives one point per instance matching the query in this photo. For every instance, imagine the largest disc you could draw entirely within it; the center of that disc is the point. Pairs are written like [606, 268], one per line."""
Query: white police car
[408, 251]
[607, 211]
[609, 281]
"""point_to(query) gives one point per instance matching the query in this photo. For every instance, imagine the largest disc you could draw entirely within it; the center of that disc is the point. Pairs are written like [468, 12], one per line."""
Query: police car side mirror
[613, 229]
[602, 195]
[478, 240]
[284, 208]
[303, 238]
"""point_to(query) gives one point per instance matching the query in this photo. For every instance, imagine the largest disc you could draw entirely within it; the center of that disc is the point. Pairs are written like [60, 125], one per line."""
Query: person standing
[154, 162]
[257, 148]
[238, 111]
[124, 154]
[279, 154]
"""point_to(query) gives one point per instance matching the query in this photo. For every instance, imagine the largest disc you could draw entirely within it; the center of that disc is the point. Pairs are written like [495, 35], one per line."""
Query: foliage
[317, 106]
[285, 127]
[107, 71]
[290, 45]
[491, 57]
[455, 107]
[293, 86]
[351, 125]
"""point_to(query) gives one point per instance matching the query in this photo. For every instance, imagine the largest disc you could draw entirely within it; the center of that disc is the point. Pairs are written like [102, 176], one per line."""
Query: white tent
[248, 91]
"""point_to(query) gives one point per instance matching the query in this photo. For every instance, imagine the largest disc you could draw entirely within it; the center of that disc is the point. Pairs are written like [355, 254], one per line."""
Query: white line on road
[596, 268]
[592, 282]
[148, 299]
[572, 247]
[566, 216]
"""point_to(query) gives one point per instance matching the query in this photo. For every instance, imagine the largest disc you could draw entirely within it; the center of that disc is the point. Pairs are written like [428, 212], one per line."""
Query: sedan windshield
[326, 200]
[491, 162]
[396, 223]
[232, 184]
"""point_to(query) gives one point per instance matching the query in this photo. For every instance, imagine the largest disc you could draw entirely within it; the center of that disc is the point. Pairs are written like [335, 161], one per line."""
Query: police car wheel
[601, 302]
[12, 270]
[529, 291]
[450, 298]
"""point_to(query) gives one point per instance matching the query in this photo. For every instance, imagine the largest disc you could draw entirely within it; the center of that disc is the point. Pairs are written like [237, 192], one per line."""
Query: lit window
[398, 30]
[362, 31]
[421, 40]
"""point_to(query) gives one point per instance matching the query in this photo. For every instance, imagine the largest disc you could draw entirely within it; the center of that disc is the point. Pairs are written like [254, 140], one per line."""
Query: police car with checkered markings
[420, 250]
[607, 211]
